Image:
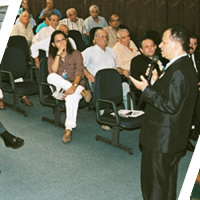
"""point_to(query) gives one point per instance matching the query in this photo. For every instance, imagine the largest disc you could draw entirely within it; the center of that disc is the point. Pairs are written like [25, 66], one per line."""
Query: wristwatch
[74, 84]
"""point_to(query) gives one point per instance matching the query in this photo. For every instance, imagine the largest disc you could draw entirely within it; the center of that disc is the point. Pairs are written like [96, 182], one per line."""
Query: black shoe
[190, 146]
[12, 141]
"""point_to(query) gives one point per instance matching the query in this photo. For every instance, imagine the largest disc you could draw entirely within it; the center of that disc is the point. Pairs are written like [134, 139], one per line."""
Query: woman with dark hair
[65, 66]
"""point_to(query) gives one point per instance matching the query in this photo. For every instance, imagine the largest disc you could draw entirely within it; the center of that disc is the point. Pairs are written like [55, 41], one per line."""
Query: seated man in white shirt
[44, 44]
[75, 23]
[100, 57]
[47, 31]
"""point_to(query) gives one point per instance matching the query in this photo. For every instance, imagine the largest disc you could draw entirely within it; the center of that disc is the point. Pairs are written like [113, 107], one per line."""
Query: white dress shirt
[95, 59]
[43, 34]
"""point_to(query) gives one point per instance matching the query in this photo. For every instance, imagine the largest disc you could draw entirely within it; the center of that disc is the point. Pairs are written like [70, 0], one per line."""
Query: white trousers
[71, 101]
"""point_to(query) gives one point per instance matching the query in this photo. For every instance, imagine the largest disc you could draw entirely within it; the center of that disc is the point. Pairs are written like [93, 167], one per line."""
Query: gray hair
[121, 30]
[94, 7]
[70, 9]
[59, 25]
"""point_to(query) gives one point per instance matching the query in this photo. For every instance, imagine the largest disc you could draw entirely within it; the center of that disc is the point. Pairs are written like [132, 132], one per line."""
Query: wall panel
[138, 15]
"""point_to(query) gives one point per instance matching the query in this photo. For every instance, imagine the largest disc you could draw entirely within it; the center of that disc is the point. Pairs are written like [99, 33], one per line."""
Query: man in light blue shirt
[50, 9]
[95, 20]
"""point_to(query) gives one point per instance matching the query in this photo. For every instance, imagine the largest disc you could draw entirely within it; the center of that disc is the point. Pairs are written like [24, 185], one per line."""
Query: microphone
[154, 60]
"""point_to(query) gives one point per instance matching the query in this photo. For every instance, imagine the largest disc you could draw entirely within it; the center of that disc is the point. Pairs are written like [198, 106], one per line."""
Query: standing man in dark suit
[168, 115]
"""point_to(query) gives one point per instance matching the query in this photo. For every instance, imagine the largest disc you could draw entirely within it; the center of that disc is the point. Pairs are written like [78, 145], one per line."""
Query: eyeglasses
[113, 20]
[59, 41]
[94, 12]
[72, 14]
[193, 44]
[102, 36]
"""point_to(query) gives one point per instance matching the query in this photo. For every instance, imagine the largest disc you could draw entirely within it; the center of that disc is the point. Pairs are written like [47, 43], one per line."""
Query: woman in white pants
[65, 66]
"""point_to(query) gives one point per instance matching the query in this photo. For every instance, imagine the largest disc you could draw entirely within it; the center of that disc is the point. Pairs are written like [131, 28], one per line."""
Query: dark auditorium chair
[91, 35]
[46, 98]
[107, 96]
[13, 66]
[21, 42]
[77, 37]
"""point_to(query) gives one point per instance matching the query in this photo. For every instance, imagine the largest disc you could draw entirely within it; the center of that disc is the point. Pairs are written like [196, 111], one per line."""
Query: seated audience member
[155, 36]
[25, 6]
[194, 54]
[125, 49]
[50, 9]
[64, 59]
[75, 23]
[47, 31]
[141, 63]
[44, 44]
[9, 139]
[100, 57]
[94, 20]
[23, 28]
[112, 30]
[45, 23]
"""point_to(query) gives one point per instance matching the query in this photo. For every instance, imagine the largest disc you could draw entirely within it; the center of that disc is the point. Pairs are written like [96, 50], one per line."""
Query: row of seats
[14, 66]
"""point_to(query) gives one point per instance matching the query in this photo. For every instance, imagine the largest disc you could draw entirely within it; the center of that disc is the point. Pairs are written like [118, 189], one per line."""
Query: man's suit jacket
[197, 108]
[170, 105]
[197, 61]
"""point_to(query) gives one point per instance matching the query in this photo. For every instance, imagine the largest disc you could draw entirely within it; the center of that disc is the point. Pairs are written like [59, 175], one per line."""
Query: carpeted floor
[46, 169]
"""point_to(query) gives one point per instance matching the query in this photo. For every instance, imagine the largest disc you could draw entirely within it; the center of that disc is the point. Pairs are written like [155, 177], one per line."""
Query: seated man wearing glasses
[114, 23]
[75, 23]
[100, 57]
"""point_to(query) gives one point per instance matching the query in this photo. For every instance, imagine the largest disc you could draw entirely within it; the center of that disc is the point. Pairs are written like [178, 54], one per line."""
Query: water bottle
[64, 74]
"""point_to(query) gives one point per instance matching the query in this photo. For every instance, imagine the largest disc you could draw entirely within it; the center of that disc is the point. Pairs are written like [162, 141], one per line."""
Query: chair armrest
[43, 95]
[114, 109]
[33, 69]
[10, 76]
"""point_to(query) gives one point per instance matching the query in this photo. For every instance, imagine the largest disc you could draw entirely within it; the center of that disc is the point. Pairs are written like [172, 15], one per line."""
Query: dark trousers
[159, 174]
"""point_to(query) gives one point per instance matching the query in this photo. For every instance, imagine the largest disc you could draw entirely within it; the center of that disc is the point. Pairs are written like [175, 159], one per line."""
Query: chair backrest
[20, 41]
[14, 61]
[92, 32]
[77, 37]
[108, 86]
